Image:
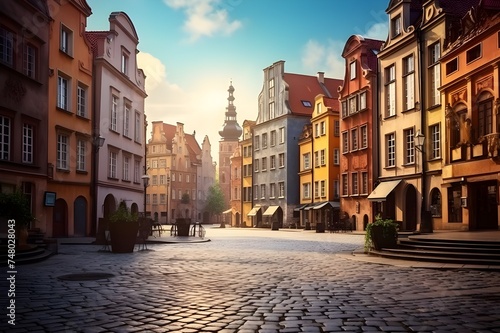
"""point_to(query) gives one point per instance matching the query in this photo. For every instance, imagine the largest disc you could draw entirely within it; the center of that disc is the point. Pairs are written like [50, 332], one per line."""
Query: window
[113, 159]
[345, 142]
[336, 128]
[362, 101]
[409, 146]
[316, 189]
[409, 82]
[282, 135]
[364, 137]
[271, 88]
[345, 185]
[62, 152]
[6, 47]
[316, 159]
[344, 109]
[155, 199]
[81, 103]
[322, 157]
[306, 161]
[435, 141]
[62, 93]
[390, 91]
[154, 180]
[29, 61]
[390, 145]
[322, 126]
[273, 162]
[353, 104]
[435, 202]
[396, 26]
[148, 199]
[27, 143]
[485, 117]
[124, 64]
[364, 182]
[162, 179]
[273, 138]
[163, 199]
[81, 152]
[188, 177]
[473, 53]
[307, 104]
[306, 190]
[126, 168]
[66, 42]
[352, 70]
[323, 188]
[256, 165]
[435, 73]
[126, 120]
[272, 190]
[272, 113]
[137, 168]
[354, 139]
[336, 189]
[336, 156]
[282, 160]
[256, 192]
[263, 191]
[354, 184]
[316, 130]
[264, 164]
[451, 66]
[114, 113]
[264, 140]
[137, 127]
[318, 108]
[154, 163]
[256, 142]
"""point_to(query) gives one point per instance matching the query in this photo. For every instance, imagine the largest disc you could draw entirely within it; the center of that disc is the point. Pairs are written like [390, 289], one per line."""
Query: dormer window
[396, 26]
[307, 104]
[352, 70]
[125, 59]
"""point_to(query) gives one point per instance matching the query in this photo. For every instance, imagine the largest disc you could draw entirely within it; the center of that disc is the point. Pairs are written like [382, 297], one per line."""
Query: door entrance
[484, 205]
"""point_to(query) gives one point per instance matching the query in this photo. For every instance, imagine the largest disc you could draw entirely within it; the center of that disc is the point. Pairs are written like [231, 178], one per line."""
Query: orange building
[470, 91]
[359, 151]
[70, 136]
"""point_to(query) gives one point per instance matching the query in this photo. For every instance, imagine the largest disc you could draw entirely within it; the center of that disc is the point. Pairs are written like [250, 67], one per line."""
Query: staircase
[456, 251]
[37, 249]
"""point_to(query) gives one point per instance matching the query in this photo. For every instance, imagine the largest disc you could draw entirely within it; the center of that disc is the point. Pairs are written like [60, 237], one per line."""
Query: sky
[190, 50]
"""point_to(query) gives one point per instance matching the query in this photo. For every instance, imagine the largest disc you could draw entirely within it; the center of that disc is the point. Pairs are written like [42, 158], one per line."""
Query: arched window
[484, 122]
[436, 202]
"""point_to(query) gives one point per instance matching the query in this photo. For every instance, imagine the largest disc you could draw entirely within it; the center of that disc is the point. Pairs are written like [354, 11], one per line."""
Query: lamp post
[425, 223]
[168, 195]
[145, 182]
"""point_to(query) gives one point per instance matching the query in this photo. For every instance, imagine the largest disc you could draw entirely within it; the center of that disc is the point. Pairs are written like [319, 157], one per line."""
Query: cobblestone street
[250, 280]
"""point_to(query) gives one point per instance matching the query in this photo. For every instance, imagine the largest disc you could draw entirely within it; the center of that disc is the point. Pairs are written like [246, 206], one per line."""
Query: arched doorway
[109, 205]
[365, 221]
[353, 222]
[60, 219]
[237, 219]
[80, 217]
[134, 209]
[410, 212]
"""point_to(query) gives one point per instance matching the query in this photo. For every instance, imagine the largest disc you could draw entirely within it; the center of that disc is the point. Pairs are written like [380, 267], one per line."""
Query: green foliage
[215, 200]
[123, 214]
[16, 206]
[389, 229]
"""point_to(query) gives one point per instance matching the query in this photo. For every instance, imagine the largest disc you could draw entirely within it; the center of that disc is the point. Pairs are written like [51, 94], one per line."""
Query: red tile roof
[306, 88]
[193, 146]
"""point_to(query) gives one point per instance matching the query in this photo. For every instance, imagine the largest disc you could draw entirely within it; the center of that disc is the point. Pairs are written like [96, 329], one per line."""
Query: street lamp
[418, 141]
[145, 181]
[425, 219]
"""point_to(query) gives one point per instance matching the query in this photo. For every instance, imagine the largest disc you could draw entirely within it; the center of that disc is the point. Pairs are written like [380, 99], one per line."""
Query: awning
[296, 209]
[270, 210]
[383, 189]
[227, 211]
[333, 204]
[310, 206]
[254, 211]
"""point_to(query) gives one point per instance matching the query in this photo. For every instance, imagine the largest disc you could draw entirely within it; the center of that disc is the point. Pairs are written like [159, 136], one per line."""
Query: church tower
[230, 133]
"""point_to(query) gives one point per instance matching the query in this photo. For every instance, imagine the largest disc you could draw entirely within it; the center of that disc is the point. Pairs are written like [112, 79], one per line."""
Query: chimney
[321, 77]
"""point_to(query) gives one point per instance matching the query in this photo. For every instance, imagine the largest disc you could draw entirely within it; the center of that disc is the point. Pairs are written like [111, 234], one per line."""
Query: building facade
[246, 173]
[285, 106]
[470, 97]
[119, 87]
[24, 75]
[359, 129]
[70, 134]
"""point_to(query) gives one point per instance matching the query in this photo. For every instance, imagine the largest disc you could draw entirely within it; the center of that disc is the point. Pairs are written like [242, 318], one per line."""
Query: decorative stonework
[484, 83]
[459, 95]
[14, 89]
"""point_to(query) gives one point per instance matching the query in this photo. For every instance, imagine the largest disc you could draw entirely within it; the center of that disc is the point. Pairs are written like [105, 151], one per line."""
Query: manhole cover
[85, 276]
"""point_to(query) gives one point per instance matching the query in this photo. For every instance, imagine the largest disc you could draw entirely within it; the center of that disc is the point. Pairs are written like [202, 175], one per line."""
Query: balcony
[492, 144]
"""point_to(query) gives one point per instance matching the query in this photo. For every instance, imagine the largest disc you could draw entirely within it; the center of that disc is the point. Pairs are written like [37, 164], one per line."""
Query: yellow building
[305, 176]
[70, 137]
[246, 171]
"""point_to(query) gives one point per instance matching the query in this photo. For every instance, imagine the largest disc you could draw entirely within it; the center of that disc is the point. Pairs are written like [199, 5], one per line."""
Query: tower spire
[231, 130]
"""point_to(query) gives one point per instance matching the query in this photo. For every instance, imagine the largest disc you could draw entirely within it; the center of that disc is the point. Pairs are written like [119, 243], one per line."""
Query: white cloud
[377, 31]
[313, 55]
[205, 18]
[317, 57]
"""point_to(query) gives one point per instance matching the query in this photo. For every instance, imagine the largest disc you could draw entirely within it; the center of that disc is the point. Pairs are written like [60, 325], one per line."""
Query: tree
[215, 200]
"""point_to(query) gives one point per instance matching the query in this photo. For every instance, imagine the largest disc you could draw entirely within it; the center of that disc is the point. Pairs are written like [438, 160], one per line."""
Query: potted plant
[383, 233]
[15, 207]
[123, 228]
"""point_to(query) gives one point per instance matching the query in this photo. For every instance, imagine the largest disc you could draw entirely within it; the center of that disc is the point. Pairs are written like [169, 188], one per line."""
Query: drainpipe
[425, 217]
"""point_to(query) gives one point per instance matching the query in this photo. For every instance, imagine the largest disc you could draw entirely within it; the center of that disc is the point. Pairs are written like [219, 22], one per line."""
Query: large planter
[123, 236]
[384, 237]
[183, 225]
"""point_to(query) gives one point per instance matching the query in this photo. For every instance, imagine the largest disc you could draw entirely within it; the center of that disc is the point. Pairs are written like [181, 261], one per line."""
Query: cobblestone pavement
[248, 280]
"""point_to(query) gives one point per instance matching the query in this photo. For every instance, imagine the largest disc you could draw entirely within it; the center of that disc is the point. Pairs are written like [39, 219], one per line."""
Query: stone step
[445, 253]
[448, 246]
[27, 255]
[417, 256]
[455, 242]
